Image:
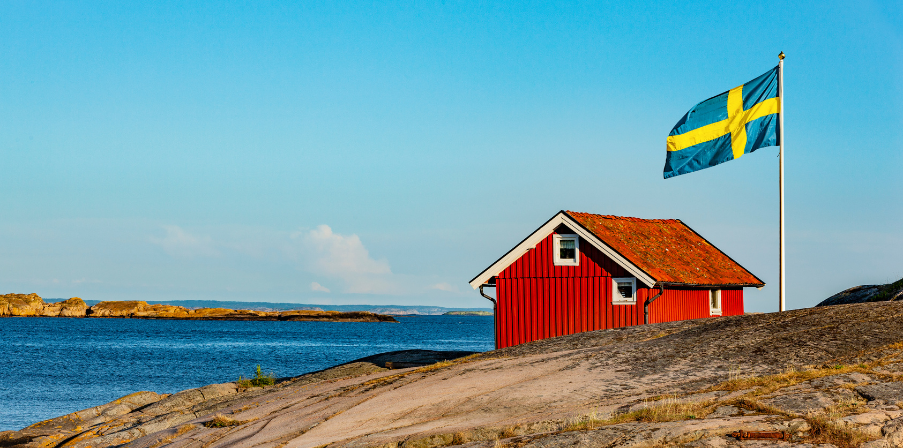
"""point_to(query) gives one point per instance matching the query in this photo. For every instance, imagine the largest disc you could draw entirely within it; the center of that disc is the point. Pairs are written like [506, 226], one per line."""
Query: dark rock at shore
[403, 359]
[866, 293]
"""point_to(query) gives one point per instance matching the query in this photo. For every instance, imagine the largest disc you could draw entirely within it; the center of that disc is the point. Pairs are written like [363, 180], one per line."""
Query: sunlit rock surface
[824, 377]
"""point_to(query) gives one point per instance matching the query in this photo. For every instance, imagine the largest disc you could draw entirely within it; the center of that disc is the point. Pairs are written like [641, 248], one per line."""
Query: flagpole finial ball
[781, 56]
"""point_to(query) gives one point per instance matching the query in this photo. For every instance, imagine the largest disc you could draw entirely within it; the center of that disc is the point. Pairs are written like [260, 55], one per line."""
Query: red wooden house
[583, 272]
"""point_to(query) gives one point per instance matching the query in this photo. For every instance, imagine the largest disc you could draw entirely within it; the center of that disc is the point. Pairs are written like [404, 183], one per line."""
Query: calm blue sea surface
[52, 366]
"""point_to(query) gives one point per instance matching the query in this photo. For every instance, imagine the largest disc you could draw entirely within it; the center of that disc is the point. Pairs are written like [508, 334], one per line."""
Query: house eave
[711, 285]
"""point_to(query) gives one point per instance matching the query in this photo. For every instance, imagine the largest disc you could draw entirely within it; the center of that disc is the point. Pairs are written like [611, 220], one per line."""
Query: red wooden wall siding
[538, 300]
[732, 302]
[683, 304]
[679, 304]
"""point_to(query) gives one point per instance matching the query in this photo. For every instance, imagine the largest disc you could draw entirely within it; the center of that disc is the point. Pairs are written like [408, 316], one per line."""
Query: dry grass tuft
[509, 431]
[666, 410]
[436, 366]
[221, 421]
[460, 438]
[789, 377]
[825, 430]
[584, 422]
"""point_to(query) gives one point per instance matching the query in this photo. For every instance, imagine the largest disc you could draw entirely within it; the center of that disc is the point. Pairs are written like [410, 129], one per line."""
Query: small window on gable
[623, 290]
[567, 250]
[715, 302]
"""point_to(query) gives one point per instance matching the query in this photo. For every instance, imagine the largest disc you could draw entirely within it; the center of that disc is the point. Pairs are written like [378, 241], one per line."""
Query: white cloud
[344, 257]
[443, 287]
[179, 243]
[314, 286]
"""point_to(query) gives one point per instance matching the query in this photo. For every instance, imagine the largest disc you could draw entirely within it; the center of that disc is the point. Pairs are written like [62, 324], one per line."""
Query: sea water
[53, 366]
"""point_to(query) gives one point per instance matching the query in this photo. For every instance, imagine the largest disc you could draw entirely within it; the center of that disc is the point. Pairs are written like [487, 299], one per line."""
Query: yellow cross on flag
[725, 127]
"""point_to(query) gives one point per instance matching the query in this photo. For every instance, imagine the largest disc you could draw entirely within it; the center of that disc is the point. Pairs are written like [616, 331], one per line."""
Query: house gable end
[539, 262]
[530, 242]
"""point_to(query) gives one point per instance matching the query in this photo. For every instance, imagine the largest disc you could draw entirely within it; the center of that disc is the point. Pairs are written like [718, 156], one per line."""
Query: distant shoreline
[32, 305]
[469, 313]
[392, 310]
[335, 318]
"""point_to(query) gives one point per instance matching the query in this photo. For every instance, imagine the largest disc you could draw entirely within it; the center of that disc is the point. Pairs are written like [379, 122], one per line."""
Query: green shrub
[260, 379]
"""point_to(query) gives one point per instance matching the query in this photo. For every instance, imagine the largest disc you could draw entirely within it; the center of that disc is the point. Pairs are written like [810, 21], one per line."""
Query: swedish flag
[726, 126]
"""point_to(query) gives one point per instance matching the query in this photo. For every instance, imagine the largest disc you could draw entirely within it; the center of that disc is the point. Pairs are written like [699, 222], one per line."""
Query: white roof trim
[541, 233]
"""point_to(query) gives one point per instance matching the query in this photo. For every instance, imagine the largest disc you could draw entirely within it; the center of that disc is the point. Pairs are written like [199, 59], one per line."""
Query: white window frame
[616, 298]
[715, 311]
[556, 250]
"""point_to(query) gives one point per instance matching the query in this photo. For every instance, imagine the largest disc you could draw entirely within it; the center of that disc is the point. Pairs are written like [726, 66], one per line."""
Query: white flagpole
[781, 174]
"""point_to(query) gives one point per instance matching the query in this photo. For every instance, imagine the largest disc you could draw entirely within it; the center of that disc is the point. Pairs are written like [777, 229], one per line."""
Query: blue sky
[347, 152]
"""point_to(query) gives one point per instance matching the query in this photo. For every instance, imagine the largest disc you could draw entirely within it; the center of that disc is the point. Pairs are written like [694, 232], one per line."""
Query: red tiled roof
[667, 250]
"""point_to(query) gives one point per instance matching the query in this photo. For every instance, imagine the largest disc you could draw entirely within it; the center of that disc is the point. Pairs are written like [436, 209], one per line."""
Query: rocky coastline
[827, 377]
[32, 305]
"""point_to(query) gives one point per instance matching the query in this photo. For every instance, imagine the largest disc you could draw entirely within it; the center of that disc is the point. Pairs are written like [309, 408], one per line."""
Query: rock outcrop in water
[825, 377]
[21, 305]
[32, 305]
[74, 307]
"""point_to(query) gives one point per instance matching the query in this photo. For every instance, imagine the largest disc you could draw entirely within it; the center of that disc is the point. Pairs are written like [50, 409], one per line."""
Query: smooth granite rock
[557, 392]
